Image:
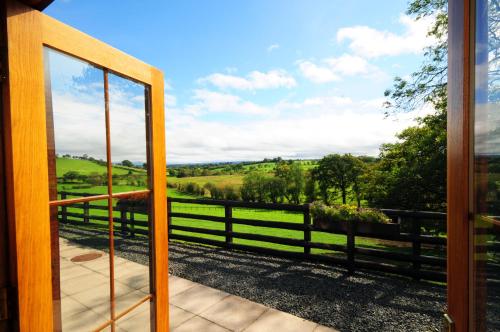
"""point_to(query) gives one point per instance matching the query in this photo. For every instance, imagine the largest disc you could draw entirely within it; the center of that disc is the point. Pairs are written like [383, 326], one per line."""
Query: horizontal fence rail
[414, 261]
[413, 264]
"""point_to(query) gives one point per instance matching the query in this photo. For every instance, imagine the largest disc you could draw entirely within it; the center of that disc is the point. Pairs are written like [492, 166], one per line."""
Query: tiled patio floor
[193, 307]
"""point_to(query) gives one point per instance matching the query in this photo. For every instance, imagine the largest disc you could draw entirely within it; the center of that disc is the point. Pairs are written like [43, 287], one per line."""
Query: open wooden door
[67, 92]
[474, 165]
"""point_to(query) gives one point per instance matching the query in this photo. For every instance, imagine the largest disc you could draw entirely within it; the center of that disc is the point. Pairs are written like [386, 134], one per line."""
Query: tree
[230, 193]
[210, 187]
[276, 189]
[411, 173]
[293, 176]
[338, 173]
[127, 163]
[359, 179]
[96, 179]
[71, 176]
[429, 83]
[254, 187]
[310, 188]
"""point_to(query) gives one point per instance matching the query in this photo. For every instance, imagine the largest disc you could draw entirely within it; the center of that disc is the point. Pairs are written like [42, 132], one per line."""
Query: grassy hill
[269, 166]
[86, 167]
[235, 180]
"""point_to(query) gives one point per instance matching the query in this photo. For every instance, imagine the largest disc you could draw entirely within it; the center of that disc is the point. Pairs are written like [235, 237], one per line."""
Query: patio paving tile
[126, 301]
[234, 313]
[130, 268]
[82, 322]
[321, 328]
[178, 316]
[198, 323]
[137, 320]
[96, 264]
[198, 298]
[136, 279]
[73, 272]
[178, 285]
[93, 297]
[274, 320]
[83, 282]
[72, 252]
[70, 306]
[193, 307]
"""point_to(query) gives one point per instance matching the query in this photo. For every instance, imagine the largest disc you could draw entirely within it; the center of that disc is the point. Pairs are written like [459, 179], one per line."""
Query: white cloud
[309, 128]
[333, 69]
[317, 74]
[79, 127]
[217, 102]
[273, 47]
[170, 100]
[349, 65]
[255, 80]
[371, 43]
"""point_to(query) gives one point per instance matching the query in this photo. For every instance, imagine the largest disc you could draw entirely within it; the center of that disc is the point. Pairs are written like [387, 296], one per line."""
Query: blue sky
[252, 79]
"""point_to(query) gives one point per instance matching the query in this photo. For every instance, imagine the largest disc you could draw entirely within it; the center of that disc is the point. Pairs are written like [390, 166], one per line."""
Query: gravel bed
[321, 293]
[366, 301]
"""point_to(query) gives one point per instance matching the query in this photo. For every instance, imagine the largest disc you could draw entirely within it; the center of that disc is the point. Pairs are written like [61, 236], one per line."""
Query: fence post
[351, 244]
[64, 209]
[228, 214]
[123, 221]
[416, 247]
[307, 230]
[132, 223]
[85, 212]
[169, 218]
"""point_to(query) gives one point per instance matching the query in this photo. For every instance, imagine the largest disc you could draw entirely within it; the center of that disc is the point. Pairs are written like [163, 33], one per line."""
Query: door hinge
[4, 304]
[448, 323]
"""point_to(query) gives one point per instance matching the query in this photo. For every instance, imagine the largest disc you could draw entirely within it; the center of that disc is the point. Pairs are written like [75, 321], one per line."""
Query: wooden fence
[413, 263]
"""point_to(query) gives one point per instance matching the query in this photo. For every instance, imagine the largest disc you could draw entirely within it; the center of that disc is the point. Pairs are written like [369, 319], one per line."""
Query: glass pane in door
[128, 115]
[84, 266]
[486, 230]
[98, 153]
[76, 137]
[75, 124]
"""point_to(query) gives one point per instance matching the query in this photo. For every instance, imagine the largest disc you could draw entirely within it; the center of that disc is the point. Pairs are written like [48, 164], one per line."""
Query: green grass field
[219, 180]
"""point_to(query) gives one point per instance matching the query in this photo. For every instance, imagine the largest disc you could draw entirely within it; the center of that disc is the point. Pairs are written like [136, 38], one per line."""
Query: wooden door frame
[460, 160]
[25, 135]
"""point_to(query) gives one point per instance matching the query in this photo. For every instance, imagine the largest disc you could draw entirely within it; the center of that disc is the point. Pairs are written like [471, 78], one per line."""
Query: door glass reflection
[486, 241]
[84, 265]
[76, 124]
[127, 113]
[76, 142]
[129, 155]
[132, 245]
